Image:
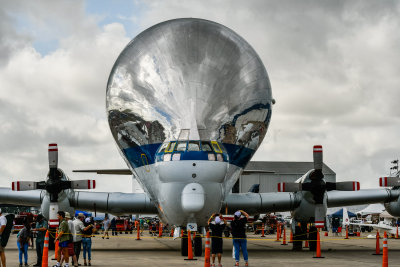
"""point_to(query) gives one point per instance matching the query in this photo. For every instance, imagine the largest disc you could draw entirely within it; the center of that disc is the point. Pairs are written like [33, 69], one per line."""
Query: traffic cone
[291, 237]
[262, 231]
[347, 232]
[56, 248]
[284, 237]
[138, 233]
[45, 256]
[160, 230]
[190, 248]
[377, 249]
[318, 247]
[397, 232]
[277, 234]
[385, 262]
[207, 251]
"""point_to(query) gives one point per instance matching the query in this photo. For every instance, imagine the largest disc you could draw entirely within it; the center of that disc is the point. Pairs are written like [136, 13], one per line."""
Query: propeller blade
[317, 154]
[83, 184]
[53, 220]
[289, 187]
[320, 213]
[343, 186]
[23, 185]
[389, 181]
[53, 156]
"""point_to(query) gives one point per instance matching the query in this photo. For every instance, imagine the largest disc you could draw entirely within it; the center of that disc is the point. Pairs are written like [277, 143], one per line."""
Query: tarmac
[124, 250]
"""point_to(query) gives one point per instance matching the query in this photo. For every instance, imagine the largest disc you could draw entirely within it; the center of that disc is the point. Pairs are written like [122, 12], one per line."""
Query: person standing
[63, 238]
[106, 225]
[78, 226]
[71, 251]
[3, 223]
[114, 226]
[87, 241]
[217, 227]
[238, 226]
[40, 229]
[23, 238]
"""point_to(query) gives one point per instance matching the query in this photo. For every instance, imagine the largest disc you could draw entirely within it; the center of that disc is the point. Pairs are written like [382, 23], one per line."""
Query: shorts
[71, 251]
[216, 245]
[1, 249]
[63, 244]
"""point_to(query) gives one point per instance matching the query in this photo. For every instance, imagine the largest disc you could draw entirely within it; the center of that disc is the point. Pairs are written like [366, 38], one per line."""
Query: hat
[81, 215]
[238, 213]
[217, 220]
[67, 215]
[87, 220]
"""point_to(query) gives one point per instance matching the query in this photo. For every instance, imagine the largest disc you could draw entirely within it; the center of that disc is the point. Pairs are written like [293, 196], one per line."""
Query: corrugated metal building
[269, 173]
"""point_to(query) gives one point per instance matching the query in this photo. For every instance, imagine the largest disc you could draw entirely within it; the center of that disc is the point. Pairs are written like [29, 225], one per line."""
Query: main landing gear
[197, 244]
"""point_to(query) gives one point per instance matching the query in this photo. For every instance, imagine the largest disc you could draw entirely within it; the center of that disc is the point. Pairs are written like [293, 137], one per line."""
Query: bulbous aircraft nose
[193, 197]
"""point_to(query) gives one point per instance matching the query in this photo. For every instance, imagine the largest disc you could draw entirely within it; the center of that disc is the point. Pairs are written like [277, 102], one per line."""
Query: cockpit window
[181, 146]
[163, 146]
[194, 146]
[206, 146]
[216, 147]
[170, 147]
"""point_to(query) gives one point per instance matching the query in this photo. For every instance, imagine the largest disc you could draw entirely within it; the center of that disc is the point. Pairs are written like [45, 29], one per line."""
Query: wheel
[184, 245]
[312, 236]
[198, 246]
[298, 237]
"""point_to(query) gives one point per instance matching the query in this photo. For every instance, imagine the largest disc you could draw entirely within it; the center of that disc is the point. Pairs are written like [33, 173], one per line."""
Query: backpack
[6, 233]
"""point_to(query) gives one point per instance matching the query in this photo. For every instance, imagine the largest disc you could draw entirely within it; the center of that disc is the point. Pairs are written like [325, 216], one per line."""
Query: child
[23, 238]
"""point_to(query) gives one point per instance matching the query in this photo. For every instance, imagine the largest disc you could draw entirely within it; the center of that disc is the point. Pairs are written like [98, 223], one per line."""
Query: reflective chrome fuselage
[188, 80]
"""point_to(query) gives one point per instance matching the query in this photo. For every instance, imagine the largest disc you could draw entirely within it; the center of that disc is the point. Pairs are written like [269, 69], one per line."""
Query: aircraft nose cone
[192, 199]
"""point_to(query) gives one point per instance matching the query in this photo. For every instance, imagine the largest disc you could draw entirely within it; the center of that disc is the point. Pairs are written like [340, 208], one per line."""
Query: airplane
[189, 102]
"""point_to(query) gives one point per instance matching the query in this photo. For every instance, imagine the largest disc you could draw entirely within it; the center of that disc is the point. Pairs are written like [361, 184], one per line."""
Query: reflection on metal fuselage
[194, 81]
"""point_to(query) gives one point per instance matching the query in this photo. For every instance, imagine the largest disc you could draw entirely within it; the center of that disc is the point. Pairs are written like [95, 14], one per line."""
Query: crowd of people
[73, 235]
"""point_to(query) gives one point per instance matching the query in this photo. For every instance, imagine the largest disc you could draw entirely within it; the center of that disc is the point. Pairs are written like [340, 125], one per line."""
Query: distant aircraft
[189, 102]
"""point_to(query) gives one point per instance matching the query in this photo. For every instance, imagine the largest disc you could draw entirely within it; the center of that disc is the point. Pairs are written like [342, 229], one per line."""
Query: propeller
[314, 183]
[54, 185]
[389, 181]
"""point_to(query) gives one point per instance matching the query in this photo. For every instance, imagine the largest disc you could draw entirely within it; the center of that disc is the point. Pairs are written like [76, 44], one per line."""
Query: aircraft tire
[198, 246]
[184, 245]
[298, 239]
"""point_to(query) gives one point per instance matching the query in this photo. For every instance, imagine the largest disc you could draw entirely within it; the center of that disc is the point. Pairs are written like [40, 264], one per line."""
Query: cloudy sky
[334, 67]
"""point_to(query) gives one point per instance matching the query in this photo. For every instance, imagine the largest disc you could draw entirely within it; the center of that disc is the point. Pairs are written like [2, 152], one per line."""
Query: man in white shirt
[3, 223]
[78, 228]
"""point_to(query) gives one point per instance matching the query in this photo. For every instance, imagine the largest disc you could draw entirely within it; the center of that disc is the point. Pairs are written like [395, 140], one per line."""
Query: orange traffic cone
[160, 230]
[291, 237]
[138, 233]
[45, 256]
[277, 234]
[207, 251]
[262, 230]
[347, 232]
[284, 237]
[397, 232]
[318, 247]
[190, 248]
[56, 248]
[385, 251]
[377, 249]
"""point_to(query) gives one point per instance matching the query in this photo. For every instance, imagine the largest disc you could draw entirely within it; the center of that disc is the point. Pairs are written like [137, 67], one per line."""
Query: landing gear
[313, 238]
[198, 246]
[300, 235]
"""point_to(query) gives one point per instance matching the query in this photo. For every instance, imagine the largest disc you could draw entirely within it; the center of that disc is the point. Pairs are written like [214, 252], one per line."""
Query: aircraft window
[170, 147]
[181, 146]
[216, 147]
[163, 146]
[206, 146]
[194, 146]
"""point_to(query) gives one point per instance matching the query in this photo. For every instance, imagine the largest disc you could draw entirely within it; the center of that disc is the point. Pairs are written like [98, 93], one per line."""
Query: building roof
[283, 167]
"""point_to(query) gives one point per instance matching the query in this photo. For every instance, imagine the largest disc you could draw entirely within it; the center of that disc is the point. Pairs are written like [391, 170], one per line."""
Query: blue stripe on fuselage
[139, 156]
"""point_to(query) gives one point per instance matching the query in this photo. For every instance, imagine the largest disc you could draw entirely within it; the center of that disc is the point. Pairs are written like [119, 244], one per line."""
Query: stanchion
[397, 232]
[190, 248]
[347, 232]
[45, 256]
[277, 234]
[377, 248]
[138, 233]
[207, 251]
[262, 230]
[160, 230]
[318, 247]
[385, 262]
[284, 237]
[291, 236]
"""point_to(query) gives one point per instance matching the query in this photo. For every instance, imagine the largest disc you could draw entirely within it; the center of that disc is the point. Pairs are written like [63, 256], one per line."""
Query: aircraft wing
[366, 196]
[109, 171]
[375, 226]
[31, 198]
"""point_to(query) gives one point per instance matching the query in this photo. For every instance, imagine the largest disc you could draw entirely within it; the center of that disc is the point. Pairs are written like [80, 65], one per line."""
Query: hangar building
[269, 173]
